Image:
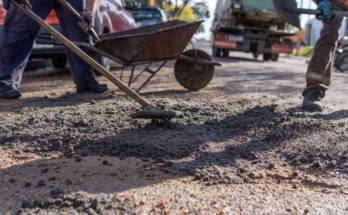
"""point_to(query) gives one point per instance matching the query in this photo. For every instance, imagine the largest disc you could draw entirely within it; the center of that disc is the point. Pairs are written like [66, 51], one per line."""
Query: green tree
[187, 10]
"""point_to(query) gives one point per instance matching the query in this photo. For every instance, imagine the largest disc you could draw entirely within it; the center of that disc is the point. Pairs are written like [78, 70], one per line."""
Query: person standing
[320, 67]
[19, 33]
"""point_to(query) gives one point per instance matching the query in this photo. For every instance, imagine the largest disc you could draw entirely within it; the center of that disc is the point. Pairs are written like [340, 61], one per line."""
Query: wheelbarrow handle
[318, 12]
[76, 50]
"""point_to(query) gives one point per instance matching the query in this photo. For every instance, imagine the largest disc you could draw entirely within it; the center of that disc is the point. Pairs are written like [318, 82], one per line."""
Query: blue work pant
[19, 33]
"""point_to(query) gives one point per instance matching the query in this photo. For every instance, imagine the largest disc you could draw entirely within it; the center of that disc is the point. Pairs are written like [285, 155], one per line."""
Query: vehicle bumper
[259, 45]
[46, 47]
[48, 52]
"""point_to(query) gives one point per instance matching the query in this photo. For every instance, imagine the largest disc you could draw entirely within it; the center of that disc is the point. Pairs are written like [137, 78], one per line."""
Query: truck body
[250, 26]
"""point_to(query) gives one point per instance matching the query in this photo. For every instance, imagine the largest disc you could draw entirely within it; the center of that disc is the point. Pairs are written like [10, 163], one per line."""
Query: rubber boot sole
[10, 94]
[313, 107]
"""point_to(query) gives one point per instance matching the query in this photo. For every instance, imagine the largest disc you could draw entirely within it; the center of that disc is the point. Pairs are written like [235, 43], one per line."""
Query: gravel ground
[240, 147]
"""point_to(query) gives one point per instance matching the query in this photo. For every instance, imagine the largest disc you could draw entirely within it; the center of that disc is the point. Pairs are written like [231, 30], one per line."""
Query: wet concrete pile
[209, 133]
[213, 141]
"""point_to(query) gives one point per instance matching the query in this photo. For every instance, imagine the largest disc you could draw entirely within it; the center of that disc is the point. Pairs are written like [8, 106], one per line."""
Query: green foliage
[187, 10]
[185, 13]
[306, 51]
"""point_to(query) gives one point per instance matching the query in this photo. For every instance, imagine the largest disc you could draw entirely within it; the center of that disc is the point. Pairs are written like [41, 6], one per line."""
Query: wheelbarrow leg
[153, 73]
[149, 110]
[122, 70]
[131, 77]
[142, 72]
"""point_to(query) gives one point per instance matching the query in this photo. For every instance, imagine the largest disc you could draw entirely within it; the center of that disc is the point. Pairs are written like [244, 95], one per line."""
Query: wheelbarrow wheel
[194, 76]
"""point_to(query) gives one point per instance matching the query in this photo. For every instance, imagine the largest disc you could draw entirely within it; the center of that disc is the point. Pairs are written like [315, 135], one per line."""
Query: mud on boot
[312, 101]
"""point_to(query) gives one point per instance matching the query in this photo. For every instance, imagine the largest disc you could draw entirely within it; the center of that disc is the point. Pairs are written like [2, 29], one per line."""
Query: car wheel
[225, 53]
[337, 59]
[275, 57]
[267, 56]
[59, 63]
[342, 61]
[216, 52]
[104, 61]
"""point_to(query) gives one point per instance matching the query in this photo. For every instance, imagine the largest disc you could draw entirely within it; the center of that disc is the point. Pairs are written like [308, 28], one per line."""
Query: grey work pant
[320, 67]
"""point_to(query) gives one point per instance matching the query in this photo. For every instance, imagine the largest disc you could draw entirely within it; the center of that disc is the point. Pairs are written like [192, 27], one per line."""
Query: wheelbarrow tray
[160, 42]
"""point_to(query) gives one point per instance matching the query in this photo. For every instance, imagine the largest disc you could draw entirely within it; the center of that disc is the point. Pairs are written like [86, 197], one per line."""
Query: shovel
[148, 110]
[288, 10]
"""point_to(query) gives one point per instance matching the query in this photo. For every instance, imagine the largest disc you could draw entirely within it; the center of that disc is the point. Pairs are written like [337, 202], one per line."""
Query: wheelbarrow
[142, 46]
[158, 44]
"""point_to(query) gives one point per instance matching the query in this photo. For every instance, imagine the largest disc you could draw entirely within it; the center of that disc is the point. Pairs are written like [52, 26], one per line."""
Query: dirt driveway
[241, 146]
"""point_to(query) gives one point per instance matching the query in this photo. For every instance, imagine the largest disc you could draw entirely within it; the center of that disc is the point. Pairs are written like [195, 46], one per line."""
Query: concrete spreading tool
[288, 10]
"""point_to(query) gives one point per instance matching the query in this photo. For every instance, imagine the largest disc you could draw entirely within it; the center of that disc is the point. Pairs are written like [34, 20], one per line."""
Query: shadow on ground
[138, 157]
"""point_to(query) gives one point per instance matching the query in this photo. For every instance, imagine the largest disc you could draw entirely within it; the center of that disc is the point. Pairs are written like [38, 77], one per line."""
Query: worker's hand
[88, 22]
[327, 10]
[6, 3]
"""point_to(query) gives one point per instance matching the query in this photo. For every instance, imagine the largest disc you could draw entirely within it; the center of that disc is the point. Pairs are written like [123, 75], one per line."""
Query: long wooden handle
[76, 50]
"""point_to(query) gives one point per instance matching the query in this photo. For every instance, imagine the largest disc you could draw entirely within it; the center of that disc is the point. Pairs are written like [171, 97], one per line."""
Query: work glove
[6, 3]
[88, 22]
[327, 10]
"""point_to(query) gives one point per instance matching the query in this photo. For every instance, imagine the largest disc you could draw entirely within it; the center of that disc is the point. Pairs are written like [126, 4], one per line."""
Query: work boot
[7, 92]
[312, 101]
[96, 88]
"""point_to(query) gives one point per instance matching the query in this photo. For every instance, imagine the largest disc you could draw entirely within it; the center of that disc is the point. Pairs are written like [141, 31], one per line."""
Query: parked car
[341, 55]
[111, 17]
[148, 16]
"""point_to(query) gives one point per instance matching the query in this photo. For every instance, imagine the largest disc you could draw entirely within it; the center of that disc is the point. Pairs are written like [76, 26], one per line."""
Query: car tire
[267, 56]
[275, 57]
[104, 61]
[342, 61]
[59, 63]
[225, 53]
[270, 57]
[217, 52]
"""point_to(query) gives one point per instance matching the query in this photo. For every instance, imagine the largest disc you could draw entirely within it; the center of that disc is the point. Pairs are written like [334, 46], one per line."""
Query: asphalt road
[241, 146]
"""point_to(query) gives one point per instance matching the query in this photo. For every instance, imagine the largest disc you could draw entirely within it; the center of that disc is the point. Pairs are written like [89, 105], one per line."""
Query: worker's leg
[81, 72]
[19, 33]
[320, 67]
